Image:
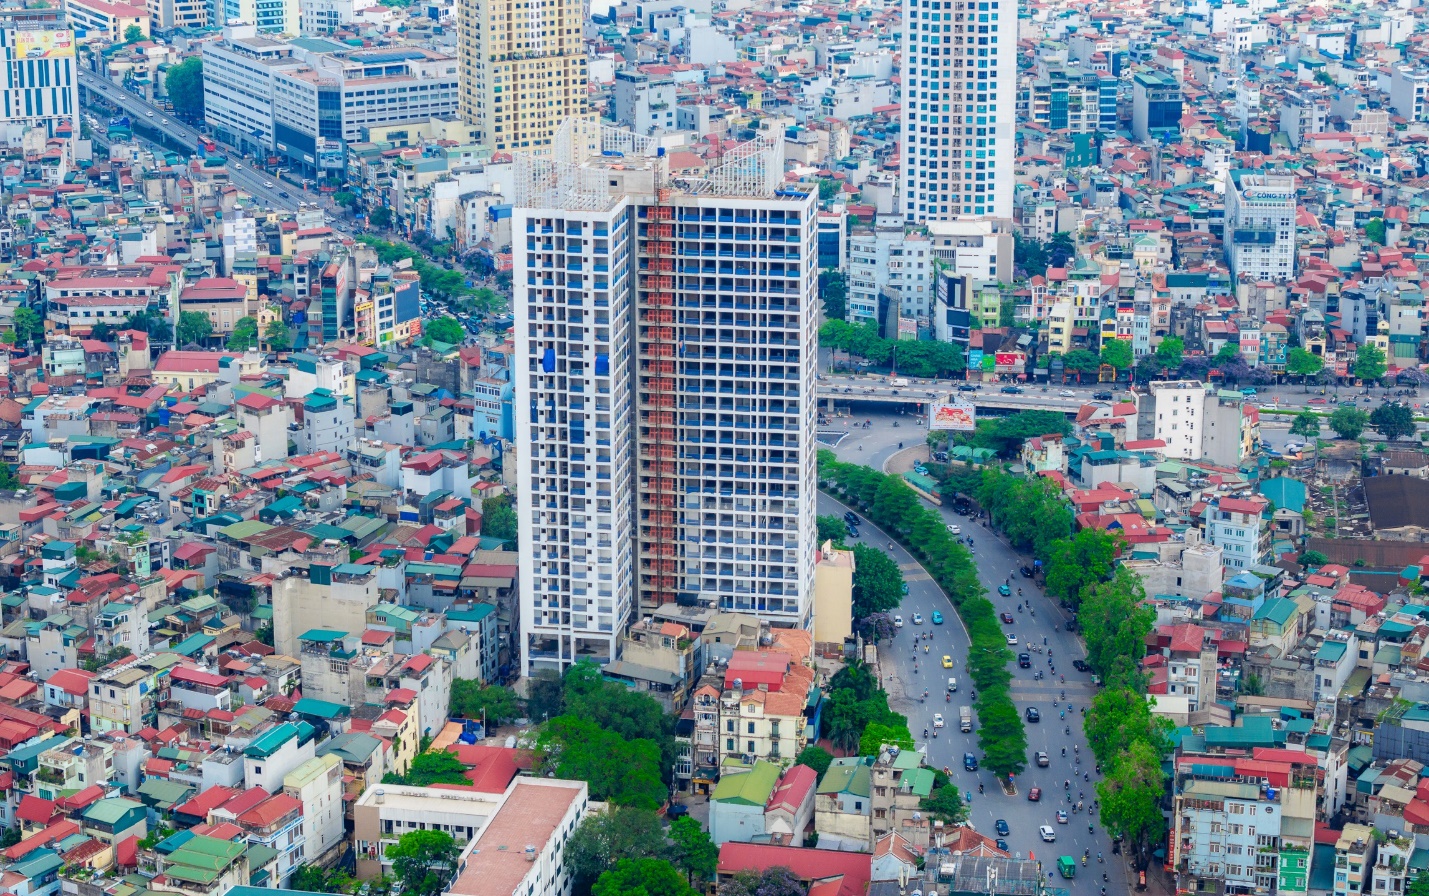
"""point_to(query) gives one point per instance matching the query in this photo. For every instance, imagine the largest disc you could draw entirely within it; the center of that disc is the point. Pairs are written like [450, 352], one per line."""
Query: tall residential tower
[523, 69]
[959, 100]
[665, 344]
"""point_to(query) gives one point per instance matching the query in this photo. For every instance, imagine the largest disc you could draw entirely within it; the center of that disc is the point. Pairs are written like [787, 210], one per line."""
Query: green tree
[8, 479]
[1080, 562]
[1303, 364]
[1393, 420]
[431, 768]
[498, 518]
[28, 325]
[625, 772]
[1061, 248]
[877, 581]
[133, 33]
[878, 735]
[345, 198]
[194, 327]
[642, 877]
[1374, 231]
[445, 329]
[816, 758]
[1029, 254]
[493, 702]
[833, 292]
[1131, 795]
[1420, 885]
[1252, 686]
[945, 804]
[831, 528]
[424, 861]
[1117, 353]
[1119, 717]
[310, 878]
[184, 85]
[103, 332]
[1313, 559]
[545, 696]
[1370, 363]
[1348, 422]
[1081, 361]
[277, 336]
[381, 217]
[1116, 623]
[828, 189]
[1307, 424]
[604, 838]
[1001, 735]
[10, 837]
[1170, 353]
[692, 850]
[244, 335]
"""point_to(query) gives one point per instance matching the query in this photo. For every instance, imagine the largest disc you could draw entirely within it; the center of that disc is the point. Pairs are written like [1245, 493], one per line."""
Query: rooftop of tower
[579, 171]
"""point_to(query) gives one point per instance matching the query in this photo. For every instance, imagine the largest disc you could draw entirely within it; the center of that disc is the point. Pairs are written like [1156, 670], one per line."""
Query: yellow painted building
[523, 69]
[833, 595]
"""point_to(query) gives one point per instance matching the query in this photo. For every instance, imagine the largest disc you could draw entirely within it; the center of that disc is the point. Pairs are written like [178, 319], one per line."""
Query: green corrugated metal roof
[322, 635]
[309, 706]
[751, 788]
[245, 529]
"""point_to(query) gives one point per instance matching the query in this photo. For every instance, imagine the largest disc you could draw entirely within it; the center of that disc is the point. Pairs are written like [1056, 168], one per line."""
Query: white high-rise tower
[959, 96]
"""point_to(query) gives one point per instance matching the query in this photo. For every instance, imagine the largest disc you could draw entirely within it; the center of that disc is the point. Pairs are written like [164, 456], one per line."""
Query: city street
[912, 670]
[146, 115]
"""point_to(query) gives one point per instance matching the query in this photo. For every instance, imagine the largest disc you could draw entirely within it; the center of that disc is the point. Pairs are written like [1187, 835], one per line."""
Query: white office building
[959, 99]
[1260, 225]
[40, 84]
[884, 257]
[665, 349]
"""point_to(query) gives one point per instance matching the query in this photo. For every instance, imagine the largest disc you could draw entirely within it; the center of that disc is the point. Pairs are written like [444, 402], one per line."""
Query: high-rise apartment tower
[665, 343]
[523, 69]
[959, 100]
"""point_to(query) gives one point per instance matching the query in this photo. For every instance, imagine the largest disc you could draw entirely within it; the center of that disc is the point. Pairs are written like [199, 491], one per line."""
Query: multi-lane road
[908, 670]
[145, 115]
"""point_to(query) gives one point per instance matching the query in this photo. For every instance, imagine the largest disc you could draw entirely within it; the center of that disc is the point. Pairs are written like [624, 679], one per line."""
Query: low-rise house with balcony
[114, 819]
[738, 803]
[843, 805]
[203, 866]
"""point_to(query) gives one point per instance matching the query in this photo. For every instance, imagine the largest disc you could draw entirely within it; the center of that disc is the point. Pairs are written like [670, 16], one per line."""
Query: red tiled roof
[807, 864]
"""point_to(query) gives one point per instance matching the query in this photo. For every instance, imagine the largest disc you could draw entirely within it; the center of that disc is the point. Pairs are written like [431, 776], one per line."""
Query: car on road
[149, 114]
[947, 661]
[1043, 760]
[1101, 396]
[1317, 401]
[952, 685]
[937, 720]
[268, 183]
[905, 589]
[897, 621]
[1048, 835]
[1067, 393]
[917, 618]
[1006, 618]
[1001, 827]
[955, 528]
[1061, 816]
[851, 518]
[284, 194]
[1024, 660]
[1034, 795]
[1002, 845]
[937, 617]
[967, 387]
[940, 456]
[163, 121]
[1026, 572]
[1248, 392]
[677, 810]
[1080, 665]
[237, 166]
[969, 762]
[1011, 640]
[1011, 390]
[852, 531]
[1033, 714]
[1004, 590]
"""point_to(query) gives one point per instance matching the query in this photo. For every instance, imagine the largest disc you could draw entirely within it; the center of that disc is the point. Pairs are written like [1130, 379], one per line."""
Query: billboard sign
[51, 43]
[1008, 359]
[952, 417]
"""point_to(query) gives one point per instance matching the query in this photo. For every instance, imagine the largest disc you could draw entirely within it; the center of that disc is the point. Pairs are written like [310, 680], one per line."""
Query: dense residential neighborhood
[540, 449]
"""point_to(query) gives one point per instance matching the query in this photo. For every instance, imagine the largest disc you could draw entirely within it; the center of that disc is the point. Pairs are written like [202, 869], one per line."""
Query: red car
[1317, 401]
[1034, 795]
[1006, 618]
